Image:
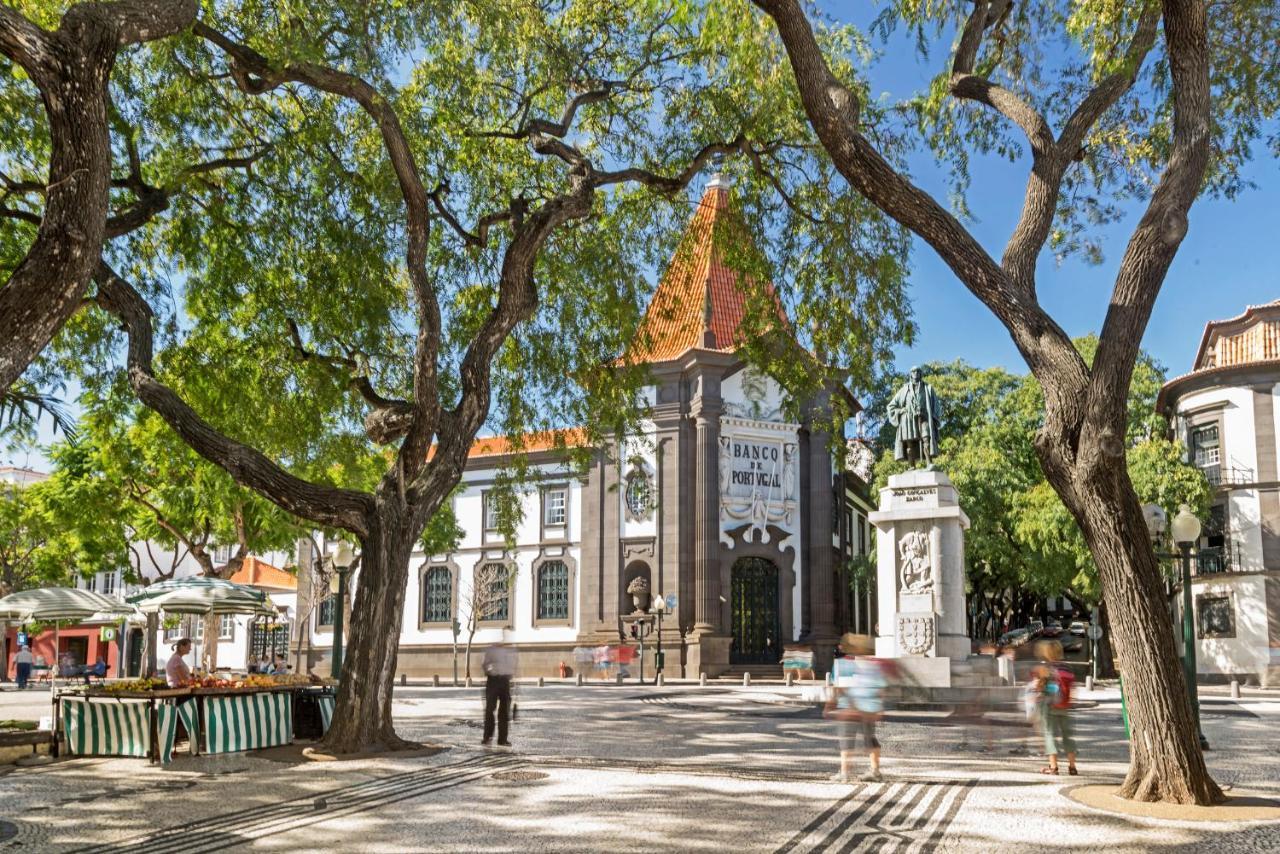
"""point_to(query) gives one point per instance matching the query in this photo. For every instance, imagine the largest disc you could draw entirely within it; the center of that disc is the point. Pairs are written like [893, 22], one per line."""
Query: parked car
[1079, 628]
[1073, 645]
[1014, 637]
[1035, 628]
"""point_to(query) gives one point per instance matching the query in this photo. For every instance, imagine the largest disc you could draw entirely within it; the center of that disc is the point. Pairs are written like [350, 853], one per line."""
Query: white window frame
[227, 627]
[554, 494]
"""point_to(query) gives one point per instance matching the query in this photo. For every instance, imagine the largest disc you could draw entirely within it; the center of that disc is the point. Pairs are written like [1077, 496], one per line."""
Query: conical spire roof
[698, 303]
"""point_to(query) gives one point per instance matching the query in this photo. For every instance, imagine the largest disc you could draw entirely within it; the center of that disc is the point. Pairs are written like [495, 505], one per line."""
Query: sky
[1227, 261]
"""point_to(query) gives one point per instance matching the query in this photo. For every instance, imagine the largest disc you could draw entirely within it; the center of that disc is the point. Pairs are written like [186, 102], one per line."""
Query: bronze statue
[917, 415]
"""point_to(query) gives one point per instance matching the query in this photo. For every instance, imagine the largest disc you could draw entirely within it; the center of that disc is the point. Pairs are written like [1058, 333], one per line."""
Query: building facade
[723, 504]
[1226, 411]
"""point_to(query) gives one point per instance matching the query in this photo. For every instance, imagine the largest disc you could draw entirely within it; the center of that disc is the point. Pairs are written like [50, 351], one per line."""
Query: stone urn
[639, 590]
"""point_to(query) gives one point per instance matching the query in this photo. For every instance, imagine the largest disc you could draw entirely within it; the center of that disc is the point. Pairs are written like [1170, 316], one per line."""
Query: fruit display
[133, 685]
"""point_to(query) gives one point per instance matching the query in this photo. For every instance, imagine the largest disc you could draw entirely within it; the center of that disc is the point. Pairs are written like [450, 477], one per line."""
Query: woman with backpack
[1055, 722]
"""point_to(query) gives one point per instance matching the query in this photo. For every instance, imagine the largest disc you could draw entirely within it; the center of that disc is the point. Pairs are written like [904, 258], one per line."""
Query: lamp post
[659, 608]
[1185, 531]
[342, 559]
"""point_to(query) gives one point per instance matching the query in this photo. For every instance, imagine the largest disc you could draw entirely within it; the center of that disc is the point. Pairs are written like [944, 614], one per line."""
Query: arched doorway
[755, 624]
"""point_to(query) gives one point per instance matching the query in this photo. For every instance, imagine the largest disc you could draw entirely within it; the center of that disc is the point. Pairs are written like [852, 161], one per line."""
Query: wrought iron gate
[756, 630]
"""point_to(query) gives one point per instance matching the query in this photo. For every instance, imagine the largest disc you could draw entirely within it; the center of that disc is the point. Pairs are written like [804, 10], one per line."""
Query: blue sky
[1227, 261]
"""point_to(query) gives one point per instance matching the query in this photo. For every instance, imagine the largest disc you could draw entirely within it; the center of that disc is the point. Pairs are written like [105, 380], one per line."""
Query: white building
[1227, 413]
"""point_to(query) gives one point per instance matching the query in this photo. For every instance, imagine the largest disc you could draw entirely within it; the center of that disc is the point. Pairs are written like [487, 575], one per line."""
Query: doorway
[756, 627]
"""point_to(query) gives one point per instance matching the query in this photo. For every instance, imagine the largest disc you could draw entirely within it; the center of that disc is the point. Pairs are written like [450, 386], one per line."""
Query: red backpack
[1065, 680]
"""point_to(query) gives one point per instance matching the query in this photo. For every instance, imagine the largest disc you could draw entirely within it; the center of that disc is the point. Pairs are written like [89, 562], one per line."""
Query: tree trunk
[1165, 762]
[149, 644]
[212, 628]
[467, 655]
[362, 718]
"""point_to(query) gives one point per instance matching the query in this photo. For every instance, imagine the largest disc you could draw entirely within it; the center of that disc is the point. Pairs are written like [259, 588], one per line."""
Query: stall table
[97, 722]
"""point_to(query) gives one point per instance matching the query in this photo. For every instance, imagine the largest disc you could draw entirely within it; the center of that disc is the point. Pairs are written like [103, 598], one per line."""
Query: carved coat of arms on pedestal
[915, 634]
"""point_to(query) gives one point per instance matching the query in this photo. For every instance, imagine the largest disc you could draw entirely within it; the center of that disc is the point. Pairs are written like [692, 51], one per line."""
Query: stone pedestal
[920, 575]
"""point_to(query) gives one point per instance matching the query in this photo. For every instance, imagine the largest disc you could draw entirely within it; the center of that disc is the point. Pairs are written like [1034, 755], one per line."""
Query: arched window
[437, 595]
[553, 591]
[493, 592]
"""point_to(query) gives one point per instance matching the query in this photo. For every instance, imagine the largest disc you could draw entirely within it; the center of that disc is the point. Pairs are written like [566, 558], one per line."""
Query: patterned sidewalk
[625, 768]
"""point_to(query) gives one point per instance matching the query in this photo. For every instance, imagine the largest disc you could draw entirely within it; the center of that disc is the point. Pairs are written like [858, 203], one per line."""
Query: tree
[485, 599]
[403, 265]
[1023, 544]
[70, 68]
[1165, 118]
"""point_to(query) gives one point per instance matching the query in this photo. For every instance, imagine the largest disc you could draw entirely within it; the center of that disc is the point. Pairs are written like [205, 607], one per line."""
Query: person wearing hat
[176, 671]
[856, 703]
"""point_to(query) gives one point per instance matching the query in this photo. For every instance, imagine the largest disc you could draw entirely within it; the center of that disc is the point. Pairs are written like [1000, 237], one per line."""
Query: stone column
[818, 565]
[706, 413]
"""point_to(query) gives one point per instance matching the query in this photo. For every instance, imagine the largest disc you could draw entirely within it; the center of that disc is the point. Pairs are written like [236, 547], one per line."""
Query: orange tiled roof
[1249, 343]
[542, 440]
[698, 293]
[259, 573]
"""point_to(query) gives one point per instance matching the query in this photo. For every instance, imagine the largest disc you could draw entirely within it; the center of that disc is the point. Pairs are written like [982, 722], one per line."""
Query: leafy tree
[448, 227]
[1145, 101]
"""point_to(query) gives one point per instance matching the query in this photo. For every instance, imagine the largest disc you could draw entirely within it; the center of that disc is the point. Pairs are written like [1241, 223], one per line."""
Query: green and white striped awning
[50, 604]
[247, 721]
[202, 596]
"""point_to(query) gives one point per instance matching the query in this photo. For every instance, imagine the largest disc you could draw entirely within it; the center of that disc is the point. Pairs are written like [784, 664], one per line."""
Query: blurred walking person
[857, 703]
[499, 667]
[1056, 682]
[23, 661]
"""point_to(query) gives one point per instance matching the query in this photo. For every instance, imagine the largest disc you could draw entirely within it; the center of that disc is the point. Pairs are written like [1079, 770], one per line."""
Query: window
[197, 628]
[1205, 447]
[553, 591]
[268, 639]
[324, 613]
[493, 593]
[227, 627]
[1217, 620]
[108, 583]
[638, 494]
[437, 595]
[555, 502]
[221, 554]
[91, 584]
[172, 633]
[490, 512]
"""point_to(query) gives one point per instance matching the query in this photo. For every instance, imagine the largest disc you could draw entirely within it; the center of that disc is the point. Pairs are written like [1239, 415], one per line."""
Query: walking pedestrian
[23, 661]
[1055, 707]
[856, 704]
[499, 667]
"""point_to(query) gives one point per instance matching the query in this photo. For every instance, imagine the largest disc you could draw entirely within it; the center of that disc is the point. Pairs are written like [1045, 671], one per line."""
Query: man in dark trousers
[499, 667]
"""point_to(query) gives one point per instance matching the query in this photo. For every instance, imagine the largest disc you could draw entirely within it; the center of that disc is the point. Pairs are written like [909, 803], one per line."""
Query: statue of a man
[916, 414]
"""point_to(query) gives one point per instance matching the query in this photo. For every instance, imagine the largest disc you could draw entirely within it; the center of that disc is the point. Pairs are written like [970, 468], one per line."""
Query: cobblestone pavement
[611, 768]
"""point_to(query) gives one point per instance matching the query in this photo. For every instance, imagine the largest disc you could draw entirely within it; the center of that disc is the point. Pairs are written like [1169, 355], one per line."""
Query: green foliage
[1021, 535]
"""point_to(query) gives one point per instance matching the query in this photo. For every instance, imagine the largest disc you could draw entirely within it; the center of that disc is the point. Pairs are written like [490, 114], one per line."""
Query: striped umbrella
[55, 605]
[201, 595]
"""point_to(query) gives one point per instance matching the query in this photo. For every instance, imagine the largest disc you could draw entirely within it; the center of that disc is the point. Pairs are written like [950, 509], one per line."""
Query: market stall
[141, 718]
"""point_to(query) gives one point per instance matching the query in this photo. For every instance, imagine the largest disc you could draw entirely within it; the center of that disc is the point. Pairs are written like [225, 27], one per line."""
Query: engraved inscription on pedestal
[915, 633]
[916, 602]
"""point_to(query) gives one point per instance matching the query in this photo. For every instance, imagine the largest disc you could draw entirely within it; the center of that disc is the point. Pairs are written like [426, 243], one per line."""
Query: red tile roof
[542, 440]
[259, 573]
[698, 293]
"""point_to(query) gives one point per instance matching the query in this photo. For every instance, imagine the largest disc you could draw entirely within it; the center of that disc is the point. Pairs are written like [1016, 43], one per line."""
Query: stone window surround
[572, 565]
[319, 625]
[634, 470]
[1206, 416]
[513, 569]
[487, 534]
[454, 574]
[1203, 595]
[542, 511]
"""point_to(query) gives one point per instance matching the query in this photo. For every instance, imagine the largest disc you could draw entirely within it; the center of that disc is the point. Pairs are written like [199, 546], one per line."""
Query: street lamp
[342, 559]
[1185, 531]
[659, 608]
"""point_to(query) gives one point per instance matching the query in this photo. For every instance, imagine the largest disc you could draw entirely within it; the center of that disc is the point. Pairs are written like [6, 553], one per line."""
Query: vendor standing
[176, 671]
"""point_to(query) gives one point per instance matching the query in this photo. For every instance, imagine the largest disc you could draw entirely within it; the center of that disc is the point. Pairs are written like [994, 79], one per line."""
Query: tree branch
[324, 505]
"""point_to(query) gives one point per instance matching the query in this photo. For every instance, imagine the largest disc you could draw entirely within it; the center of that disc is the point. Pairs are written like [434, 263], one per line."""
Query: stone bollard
[662, 680]
[1088, 682]
[404, 679]
[791, 678]
[540, 683]
[1235, 689]
[579, 680]
[468, 681]
[619, 677]
[702, 679]
[435, 680]
[746, 679]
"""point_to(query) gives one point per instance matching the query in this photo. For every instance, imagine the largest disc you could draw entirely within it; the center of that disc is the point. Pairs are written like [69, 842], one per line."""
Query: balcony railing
[1214, 560]
[1228, 475]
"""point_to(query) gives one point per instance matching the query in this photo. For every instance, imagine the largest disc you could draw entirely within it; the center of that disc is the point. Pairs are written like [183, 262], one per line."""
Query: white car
[1079, 628]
